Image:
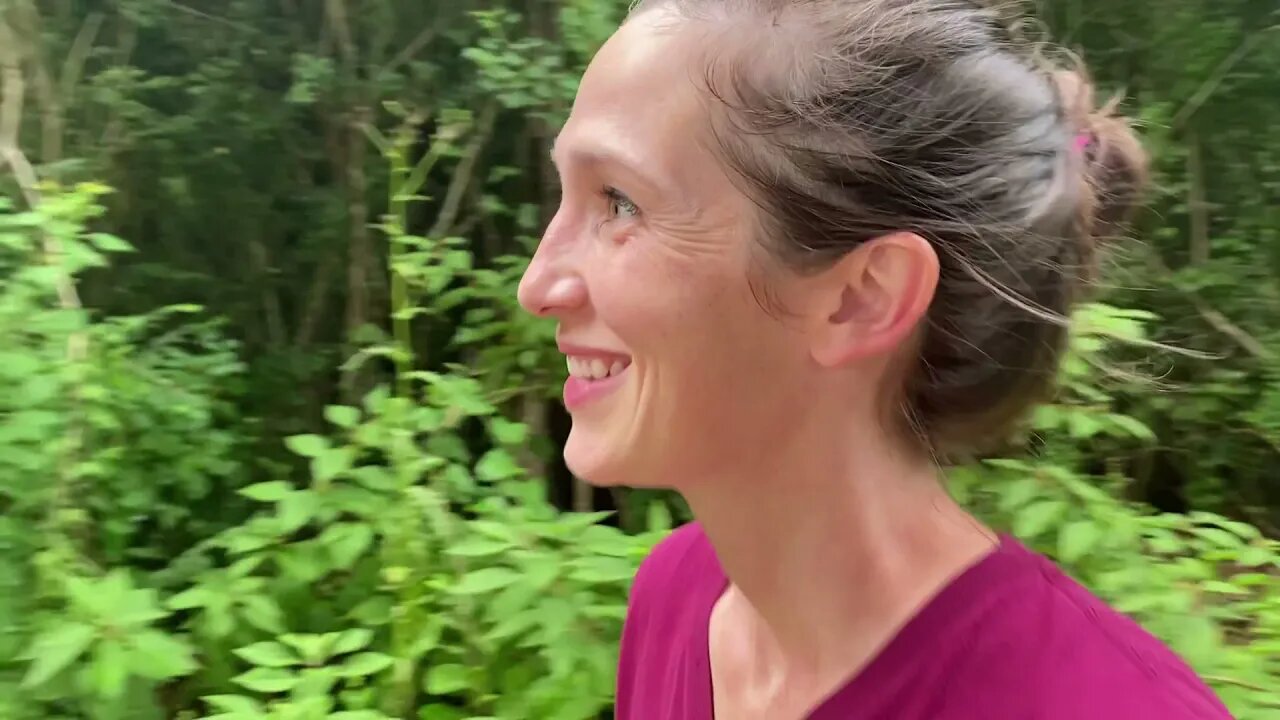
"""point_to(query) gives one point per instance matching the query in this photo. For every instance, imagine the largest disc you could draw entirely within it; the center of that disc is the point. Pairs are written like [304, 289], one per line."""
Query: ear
[874, 298]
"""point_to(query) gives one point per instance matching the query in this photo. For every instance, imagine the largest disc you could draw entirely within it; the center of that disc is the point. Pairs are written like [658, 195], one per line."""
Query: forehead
[638, 100]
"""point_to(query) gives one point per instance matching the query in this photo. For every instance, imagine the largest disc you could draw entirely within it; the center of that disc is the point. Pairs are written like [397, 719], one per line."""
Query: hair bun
[1116, 165]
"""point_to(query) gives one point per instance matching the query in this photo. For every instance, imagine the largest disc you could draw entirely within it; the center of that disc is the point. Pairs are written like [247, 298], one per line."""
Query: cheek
[702, 342]
[664, 306]
[707, 355]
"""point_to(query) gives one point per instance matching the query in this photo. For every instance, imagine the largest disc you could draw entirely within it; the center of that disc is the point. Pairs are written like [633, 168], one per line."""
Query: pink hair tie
[1083, 140]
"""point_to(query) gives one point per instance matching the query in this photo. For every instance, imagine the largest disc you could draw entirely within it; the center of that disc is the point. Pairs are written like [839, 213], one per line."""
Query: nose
[552, 285]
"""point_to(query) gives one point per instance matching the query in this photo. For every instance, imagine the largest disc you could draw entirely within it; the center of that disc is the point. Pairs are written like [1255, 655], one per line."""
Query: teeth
[594, 368]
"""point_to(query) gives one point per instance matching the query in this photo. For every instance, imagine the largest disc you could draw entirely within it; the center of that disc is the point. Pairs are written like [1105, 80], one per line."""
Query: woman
[806, 253]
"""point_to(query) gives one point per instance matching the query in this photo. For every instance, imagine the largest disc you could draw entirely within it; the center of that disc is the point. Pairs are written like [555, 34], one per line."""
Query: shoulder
[675, 551]
[1055, 651]
[669, 604]
[683, 559]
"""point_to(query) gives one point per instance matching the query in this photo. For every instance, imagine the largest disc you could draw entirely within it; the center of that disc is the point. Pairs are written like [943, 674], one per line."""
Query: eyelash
[617, 200]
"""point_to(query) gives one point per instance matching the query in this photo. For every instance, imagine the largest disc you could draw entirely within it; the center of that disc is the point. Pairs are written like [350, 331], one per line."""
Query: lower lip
[580, 391]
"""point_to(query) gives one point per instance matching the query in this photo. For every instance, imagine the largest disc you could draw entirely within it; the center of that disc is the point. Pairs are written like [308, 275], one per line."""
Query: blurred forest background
[276, 442]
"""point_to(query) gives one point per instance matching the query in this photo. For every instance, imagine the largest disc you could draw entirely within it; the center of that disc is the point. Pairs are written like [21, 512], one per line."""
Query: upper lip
[574, 350]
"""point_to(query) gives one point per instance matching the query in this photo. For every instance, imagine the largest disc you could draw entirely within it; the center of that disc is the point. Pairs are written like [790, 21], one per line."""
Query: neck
[831, 553]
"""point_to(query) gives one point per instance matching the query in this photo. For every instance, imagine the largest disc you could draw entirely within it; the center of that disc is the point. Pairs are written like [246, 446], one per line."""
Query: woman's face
[676, 371]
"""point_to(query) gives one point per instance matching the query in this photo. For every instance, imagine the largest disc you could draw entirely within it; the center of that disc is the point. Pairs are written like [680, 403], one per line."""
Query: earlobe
[877, 296]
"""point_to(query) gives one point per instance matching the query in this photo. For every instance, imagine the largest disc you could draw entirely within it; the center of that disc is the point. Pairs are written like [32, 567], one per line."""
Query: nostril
[566, 293]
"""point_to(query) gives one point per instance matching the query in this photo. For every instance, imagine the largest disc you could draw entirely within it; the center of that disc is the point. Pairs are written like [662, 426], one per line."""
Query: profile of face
[653, 269]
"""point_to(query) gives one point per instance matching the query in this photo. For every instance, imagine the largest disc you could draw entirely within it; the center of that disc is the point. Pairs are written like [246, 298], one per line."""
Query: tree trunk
[1196, 204]
[360, 247]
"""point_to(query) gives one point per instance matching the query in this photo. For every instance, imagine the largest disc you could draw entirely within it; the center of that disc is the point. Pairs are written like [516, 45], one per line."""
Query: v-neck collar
[921, 631]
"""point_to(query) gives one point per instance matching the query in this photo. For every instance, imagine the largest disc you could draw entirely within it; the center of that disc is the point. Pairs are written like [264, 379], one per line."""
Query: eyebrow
[604, 156]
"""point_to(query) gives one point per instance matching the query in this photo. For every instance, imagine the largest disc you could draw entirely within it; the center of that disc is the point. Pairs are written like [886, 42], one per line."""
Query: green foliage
[109, 623]
[471, 595]
[115, 432]
[330, 501]
[1206, 584]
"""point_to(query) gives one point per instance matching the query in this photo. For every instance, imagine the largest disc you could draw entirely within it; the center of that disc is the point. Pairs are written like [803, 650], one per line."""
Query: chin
[598, 462]
[589, 460]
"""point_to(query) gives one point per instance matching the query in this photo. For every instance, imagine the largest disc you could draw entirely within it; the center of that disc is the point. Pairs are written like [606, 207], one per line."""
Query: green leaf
[109, 243]
[352, 640]
[658, 517]
[496, 530]
[1198, 638]
[507, 432]
[331, 462]
[599, 569]
[159, 656]
[108, 669]
[267, 654]
[233, 703]
[314, 649]
[1037, 517]
[96, 597]
[347, 542]
[513, 624]
[1223, 588]
[570, 522]
[267, 680]
[267, 491]
[497, 464]
[296, 510]
[1218, 537]
[306, 445]
[304, 562]
[437, 711]
[1242, 530]
[1077, 539]
[262, 612]
[1255, 556]
[1132, 426]
[374, 478]
[1082, 424]
[484, 580]
[190, 598]
[446, 679]
[479, 547]
[342, 416]
[55, 649]
[365, 664]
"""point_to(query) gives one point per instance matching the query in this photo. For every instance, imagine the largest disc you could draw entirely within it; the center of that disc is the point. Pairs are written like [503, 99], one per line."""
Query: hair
[845, 120]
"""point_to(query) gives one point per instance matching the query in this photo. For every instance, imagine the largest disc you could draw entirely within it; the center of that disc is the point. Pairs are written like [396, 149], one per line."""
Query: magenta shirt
[1012, 638]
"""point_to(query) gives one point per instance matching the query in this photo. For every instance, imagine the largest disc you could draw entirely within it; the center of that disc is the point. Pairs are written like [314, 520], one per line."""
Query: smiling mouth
[592, 377]
[596, 368]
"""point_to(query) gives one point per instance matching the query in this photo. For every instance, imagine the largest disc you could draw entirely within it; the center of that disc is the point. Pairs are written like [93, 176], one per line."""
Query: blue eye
[620, 205]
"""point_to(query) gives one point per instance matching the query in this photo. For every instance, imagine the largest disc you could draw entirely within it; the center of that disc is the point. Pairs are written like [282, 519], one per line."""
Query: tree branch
[337, 12]
[11, 101]
[73, 66]
[1222, 324]
[12, 96]
[1217, 77]
[463, 172]
[415, 46]
[15, 90]
[272, 315]
[1216, 319]
[1196, 205]
[211, 18]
